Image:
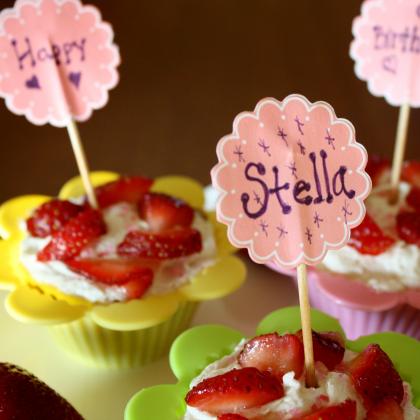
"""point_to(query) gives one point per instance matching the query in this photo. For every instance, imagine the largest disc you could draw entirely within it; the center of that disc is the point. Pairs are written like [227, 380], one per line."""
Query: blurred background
[188, 67]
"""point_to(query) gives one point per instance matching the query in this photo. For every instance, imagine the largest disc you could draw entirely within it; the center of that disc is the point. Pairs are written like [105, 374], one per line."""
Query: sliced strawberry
[277, 354]
[347, 410]
[231, 416]
[408, 227]
[375, 377]
[387, 409]
[132, 274]
[112, 271]
[51, 216]
[413, 198]
[234, 391]
[130, 189]
[411, 173]
[174, 243]
[368, 238]
[328, 348]
[163, 212]
[135, 289]
[68, 242]
[378, 169]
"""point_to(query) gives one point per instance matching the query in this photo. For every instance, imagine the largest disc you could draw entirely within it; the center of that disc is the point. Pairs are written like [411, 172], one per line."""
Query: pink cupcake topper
[292, 181]
[57, 60]
[386, 49]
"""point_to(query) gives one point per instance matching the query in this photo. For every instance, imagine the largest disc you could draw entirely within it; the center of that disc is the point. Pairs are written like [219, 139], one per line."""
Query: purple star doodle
[330, 139]
[257, 198]
[238, 152]
[283, 135]
[282, 231]
[346, 210]
[308, 235]
[302, 148]
[317, 219]
[266, 149]
[300, 124]
[264, 227]
[292, 167]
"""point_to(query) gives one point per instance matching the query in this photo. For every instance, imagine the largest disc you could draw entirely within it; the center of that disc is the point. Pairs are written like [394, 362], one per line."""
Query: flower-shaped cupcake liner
[32, 302]
[193, 350]
[355, 294]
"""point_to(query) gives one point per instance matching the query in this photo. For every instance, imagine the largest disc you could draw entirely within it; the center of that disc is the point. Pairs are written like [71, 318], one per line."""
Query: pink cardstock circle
[386, 49]
[57, 60]
[291, 180]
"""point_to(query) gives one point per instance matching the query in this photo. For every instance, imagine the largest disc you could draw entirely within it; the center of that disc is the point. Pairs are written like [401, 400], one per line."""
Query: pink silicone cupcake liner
[363, 311]
[360, 309]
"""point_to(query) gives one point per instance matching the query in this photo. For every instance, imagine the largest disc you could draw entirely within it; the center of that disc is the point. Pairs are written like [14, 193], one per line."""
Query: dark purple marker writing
[322, 186]
[63, 54]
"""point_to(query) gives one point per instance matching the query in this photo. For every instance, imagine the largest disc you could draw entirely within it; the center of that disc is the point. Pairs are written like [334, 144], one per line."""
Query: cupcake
[115, 285]
[373, 283]
[228, 377]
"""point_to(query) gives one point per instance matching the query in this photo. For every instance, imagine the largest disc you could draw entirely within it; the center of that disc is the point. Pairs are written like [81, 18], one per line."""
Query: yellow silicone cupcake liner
[123, 334]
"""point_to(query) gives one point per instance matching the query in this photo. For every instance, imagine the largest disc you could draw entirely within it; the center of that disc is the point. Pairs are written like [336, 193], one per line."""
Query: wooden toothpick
[81, 161]
[305, 314]
[399, 148]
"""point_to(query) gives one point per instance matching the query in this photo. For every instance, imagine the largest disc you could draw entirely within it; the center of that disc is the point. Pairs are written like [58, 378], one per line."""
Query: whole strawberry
[51, 216]
[25, 397]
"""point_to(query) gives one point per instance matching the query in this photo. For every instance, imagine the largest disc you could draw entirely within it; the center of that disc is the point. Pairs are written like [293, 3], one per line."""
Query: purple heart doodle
[389, 63]
[74, 78]
[33, 83]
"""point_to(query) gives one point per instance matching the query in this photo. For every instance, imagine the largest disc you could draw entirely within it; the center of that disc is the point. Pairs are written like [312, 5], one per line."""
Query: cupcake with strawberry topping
[140, 242]
[138, 265]
[228, 377]
[373, 283]
[263, 379]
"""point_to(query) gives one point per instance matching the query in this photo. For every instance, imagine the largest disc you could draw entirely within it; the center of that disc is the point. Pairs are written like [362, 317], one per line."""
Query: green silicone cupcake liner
[193, 350]
[102, 347]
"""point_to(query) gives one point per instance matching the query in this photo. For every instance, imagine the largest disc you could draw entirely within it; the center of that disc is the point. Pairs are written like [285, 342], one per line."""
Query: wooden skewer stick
[305, 314]
[399, 148]
[81, 160]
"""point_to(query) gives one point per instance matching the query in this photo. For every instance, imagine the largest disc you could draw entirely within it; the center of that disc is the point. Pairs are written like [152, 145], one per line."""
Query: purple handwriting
[405, 41]
[63, 54]
[323, 187]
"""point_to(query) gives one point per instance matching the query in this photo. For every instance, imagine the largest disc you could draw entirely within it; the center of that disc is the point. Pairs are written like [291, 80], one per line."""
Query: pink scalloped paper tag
[57, 60]
[291, 180]
[386, 49]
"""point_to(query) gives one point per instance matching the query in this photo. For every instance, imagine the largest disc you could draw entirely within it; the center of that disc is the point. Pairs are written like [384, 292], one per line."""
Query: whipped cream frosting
[334, 387]
[119, 219]
[395, 269]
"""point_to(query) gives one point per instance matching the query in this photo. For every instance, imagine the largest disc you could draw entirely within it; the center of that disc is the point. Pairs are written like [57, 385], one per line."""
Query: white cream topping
[395, 269]
[119, 219]
[334, 388]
